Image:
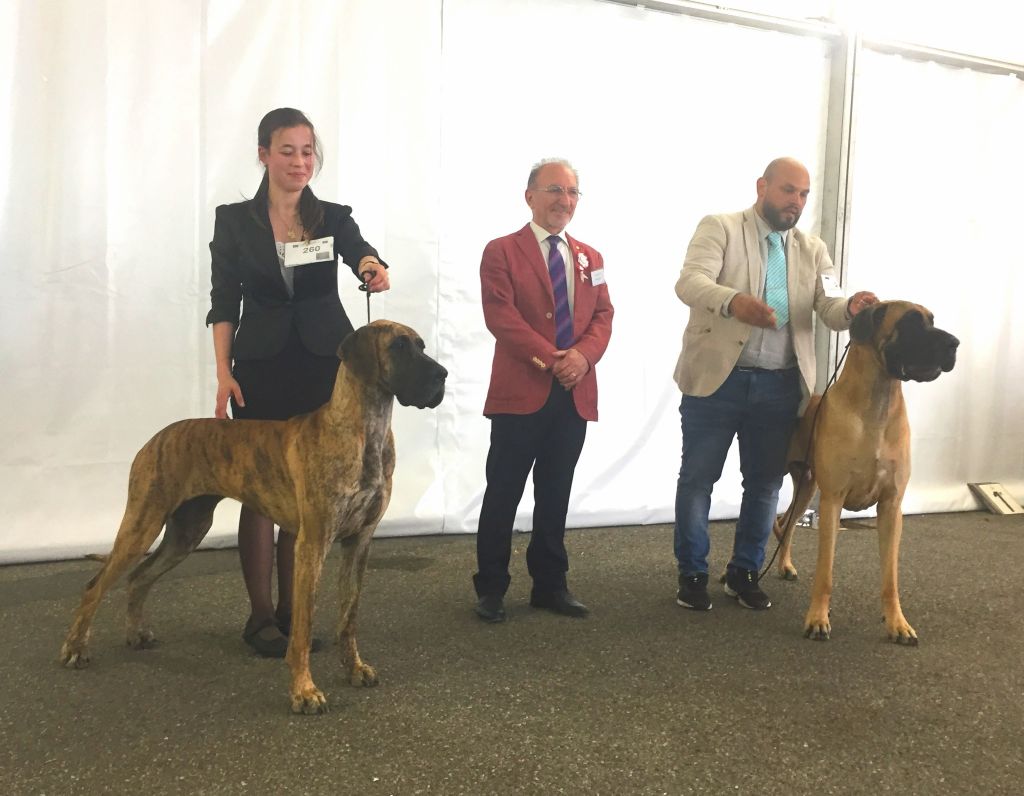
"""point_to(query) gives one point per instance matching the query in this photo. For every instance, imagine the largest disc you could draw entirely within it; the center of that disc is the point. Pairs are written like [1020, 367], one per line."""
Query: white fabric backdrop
[936, 175]
[657, 145]
[130, 122]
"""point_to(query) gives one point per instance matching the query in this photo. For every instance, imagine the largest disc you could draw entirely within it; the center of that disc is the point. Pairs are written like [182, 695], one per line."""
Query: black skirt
[292, 382]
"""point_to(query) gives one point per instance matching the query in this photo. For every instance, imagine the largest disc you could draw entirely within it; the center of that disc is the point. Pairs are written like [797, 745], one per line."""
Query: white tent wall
[936, 175]
[100, 327]
[657, 147]
[130, 122]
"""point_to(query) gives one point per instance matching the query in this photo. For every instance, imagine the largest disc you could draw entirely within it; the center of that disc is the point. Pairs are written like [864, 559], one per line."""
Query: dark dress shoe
[490, 608]
[560, 602]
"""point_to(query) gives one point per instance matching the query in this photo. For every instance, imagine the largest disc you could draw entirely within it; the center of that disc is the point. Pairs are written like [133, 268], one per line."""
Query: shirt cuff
[724, 311]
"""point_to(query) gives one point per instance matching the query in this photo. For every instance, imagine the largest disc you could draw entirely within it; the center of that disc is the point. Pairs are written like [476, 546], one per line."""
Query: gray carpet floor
[642, 697]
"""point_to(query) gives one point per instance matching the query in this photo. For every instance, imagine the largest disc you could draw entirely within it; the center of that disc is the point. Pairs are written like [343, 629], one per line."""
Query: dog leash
[796, 488]
[366, 276]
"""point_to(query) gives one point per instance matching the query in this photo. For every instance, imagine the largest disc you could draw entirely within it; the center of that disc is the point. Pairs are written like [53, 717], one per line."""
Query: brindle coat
[326, 474]
[855, 445]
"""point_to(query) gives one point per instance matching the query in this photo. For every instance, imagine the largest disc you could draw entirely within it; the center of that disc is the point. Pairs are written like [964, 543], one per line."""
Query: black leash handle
[366, 276]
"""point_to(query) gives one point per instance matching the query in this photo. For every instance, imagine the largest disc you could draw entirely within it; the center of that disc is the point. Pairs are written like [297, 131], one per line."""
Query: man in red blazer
[546, 303]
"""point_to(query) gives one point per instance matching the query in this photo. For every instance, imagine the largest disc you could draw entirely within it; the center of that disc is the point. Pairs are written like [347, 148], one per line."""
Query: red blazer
[519, 308]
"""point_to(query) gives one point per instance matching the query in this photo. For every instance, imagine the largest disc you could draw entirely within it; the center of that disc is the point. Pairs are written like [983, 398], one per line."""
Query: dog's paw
[309, 701]
[900, 632]
[817, 628]
[74, 657]
[363, 675]
[788, 572]
[141, 639]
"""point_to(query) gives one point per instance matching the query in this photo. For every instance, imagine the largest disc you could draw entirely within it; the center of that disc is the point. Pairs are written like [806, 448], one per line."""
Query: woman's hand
[374, 275]
[227, 387]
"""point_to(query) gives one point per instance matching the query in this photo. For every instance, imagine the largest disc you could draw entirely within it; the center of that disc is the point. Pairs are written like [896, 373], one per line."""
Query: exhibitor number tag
[309, 251]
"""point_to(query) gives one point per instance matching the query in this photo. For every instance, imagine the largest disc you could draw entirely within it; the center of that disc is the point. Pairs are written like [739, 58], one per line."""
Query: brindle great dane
[323, 475]
[855, 444]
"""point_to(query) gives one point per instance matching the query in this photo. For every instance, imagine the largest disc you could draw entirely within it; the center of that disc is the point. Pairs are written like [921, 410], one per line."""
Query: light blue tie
[775, 294]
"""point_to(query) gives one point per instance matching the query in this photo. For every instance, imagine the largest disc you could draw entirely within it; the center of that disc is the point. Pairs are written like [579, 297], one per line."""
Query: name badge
[831, 286]
[597, 277]
[309, 251]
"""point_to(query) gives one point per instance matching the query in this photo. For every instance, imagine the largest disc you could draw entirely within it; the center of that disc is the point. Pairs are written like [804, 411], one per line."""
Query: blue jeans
[760, 407]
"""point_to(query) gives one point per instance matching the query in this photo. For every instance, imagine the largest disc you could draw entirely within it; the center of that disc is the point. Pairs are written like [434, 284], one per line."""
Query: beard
[773, 216]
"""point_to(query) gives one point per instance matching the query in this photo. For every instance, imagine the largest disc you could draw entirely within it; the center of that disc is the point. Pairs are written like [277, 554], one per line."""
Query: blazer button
[547, 315]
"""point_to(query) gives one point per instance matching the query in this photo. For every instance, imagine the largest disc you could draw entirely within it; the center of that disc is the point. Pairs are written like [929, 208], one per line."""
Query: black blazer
[246, 274]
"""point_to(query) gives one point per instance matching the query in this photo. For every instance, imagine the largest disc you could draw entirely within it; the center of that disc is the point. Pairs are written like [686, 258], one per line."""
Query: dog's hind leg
[785, 524]
[186, 527]
[355, 552]
[140, 527]
[890, 529]
[802, 475]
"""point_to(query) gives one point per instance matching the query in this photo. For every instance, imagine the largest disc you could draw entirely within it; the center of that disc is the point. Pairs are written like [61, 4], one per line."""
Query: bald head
[781, 167]
[782, 193]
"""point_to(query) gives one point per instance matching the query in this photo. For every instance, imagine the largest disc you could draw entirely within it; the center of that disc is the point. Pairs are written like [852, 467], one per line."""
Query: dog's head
[391, 356]
[906, 339]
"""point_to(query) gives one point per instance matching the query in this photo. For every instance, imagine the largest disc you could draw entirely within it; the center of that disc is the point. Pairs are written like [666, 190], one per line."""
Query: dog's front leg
[309, 559]
[890, 529]
[355, 551]
[816, 624]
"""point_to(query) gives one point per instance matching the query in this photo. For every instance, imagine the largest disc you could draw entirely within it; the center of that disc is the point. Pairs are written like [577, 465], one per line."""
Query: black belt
[744, 369]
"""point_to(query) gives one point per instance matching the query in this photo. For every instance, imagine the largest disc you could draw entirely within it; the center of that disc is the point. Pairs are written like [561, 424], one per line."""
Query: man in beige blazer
[753, 283]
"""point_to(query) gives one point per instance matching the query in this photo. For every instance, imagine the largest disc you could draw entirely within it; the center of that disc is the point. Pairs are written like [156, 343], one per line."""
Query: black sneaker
[693, 592]
[490, 608]
[742, 584]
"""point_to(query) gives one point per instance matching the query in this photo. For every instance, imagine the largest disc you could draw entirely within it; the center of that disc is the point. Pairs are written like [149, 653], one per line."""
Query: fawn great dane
[855, 445]
[325, 475]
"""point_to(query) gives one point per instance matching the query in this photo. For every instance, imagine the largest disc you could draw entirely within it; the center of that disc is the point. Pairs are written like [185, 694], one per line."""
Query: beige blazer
[723, 259]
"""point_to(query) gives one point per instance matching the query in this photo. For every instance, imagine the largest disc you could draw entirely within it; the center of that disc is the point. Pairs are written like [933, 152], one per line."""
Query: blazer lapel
[794, 268]
[264, 249]
[584, 296]
[755, 266]
[527, 243]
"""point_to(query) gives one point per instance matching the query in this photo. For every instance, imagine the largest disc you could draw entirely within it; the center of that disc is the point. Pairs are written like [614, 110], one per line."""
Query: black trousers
[549, 441]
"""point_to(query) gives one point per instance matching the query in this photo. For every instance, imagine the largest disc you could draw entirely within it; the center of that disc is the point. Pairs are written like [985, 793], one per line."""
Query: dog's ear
[866, 323]
[357, 352]
[346, 348]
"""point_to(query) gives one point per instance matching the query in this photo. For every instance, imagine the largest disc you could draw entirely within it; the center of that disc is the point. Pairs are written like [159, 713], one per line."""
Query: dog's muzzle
[923, 359]
[422, 383]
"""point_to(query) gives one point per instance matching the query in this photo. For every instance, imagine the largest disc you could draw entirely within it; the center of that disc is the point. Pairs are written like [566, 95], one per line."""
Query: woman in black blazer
[276, 328]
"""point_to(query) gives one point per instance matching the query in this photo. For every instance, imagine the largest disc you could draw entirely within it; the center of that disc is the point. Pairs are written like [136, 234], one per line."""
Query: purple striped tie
[563, 319]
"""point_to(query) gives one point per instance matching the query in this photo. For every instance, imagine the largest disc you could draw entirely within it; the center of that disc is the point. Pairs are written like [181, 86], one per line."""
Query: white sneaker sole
[739, 599]
[692, 607]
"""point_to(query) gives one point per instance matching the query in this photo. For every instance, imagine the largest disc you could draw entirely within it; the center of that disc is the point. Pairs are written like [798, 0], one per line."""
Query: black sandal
[285, 626]
[265, 638]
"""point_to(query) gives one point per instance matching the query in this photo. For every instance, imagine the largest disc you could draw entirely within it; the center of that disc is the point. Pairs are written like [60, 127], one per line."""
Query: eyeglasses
[559, 191]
